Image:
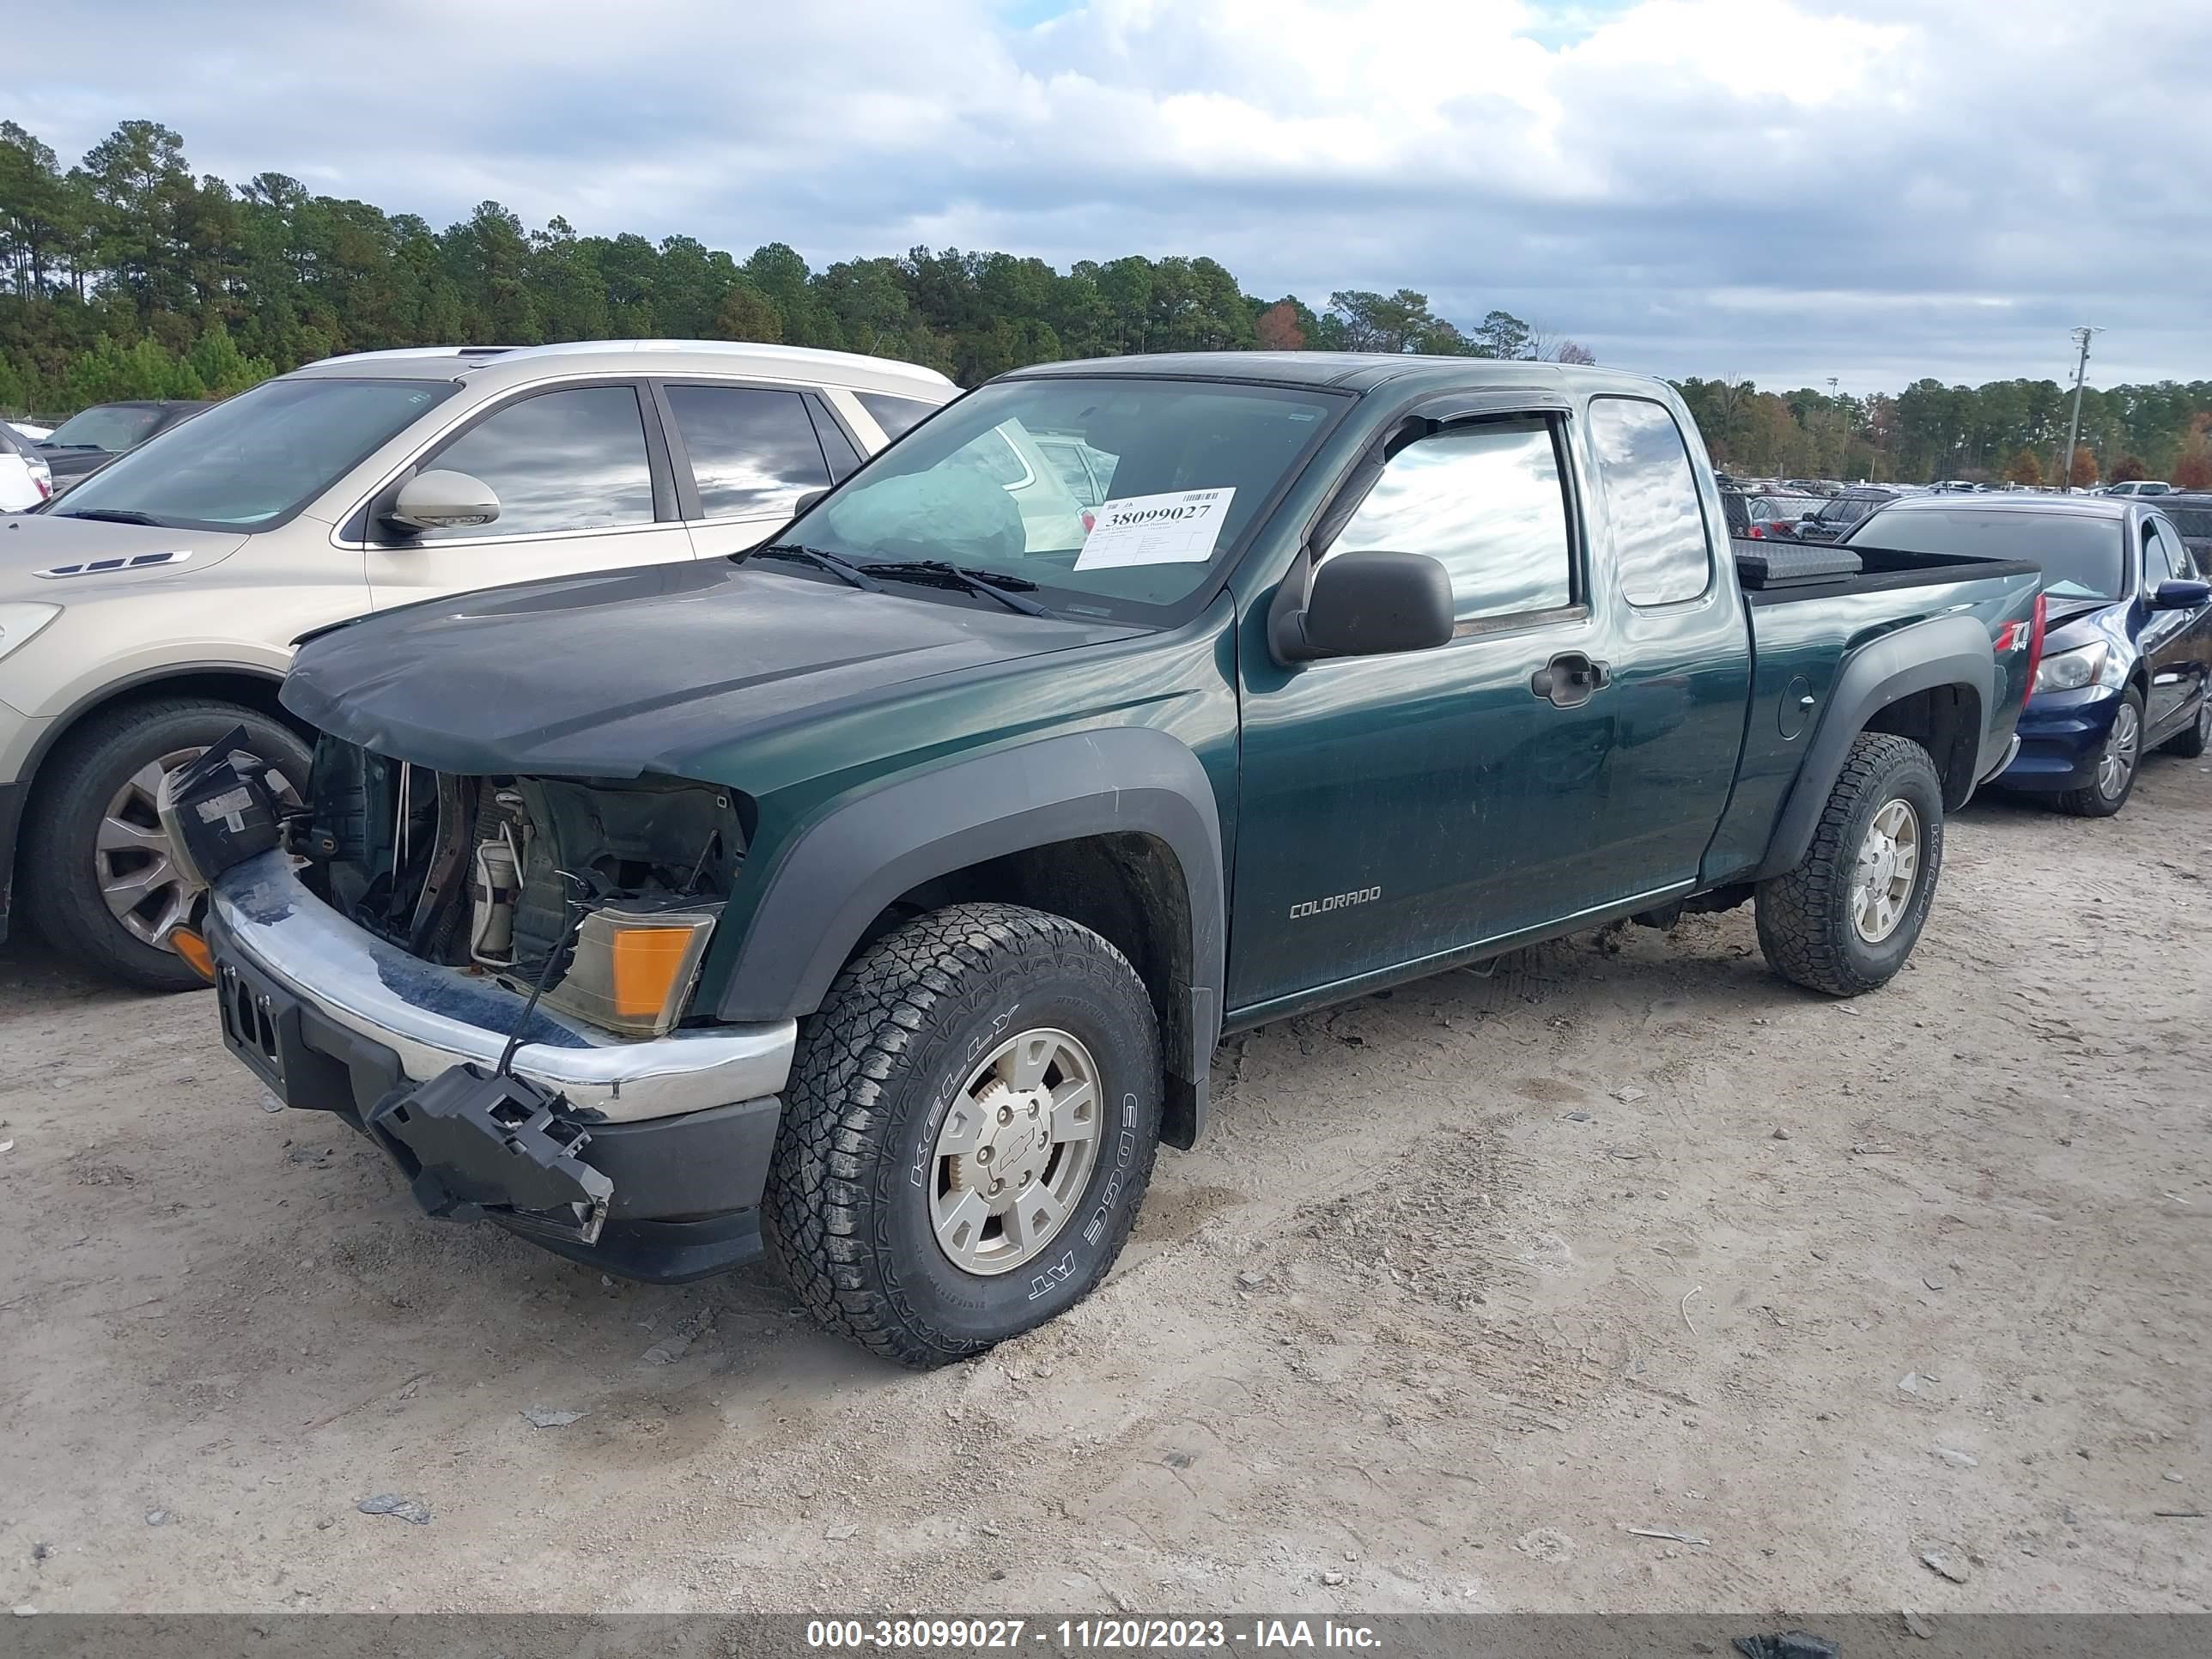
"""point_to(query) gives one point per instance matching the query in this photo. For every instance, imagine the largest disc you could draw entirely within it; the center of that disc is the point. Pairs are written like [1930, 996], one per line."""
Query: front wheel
[970, 1127]
[2118, 762]
[1846, 918]
[99, 877]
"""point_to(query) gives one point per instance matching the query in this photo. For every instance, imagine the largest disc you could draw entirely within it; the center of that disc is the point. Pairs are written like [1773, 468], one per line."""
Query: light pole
[2074, 428]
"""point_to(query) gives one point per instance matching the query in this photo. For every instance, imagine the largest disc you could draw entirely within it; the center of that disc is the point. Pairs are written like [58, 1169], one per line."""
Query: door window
[559, 462]
[2157, 558]
[1486, 501]
[1659, 540]
[753, 452]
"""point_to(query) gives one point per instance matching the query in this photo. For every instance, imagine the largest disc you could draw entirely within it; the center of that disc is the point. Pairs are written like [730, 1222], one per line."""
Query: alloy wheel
[2117, 764]
[1888, 865]
[145, 889]
[1015, 1152]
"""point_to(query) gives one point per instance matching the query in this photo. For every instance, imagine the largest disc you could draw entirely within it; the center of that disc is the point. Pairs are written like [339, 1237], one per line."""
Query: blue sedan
[2127, 649]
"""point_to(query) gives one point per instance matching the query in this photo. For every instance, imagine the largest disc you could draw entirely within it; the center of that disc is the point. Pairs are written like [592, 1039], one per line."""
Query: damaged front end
[613, 886]
[490, 976]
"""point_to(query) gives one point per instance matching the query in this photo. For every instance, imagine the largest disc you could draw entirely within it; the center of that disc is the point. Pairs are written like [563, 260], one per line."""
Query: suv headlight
[19, 622]
[2085, 665]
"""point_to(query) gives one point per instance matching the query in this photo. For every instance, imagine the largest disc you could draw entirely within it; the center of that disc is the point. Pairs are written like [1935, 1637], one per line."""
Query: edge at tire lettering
[918, 1172]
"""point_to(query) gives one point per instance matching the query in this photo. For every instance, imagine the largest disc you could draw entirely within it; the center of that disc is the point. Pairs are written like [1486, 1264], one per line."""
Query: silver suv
[155, 607]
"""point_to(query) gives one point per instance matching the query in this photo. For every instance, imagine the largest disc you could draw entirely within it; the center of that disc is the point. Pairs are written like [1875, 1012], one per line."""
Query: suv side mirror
[2180, 595]
[1369, 604]
[440, 499]
[808, 502]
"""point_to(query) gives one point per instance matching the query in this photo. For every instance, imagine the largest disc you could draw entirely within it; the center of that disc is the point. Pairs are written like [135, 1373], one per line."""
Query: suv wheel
[2118, 762]
[1846, 918]
[969, 1129]
[98, 879]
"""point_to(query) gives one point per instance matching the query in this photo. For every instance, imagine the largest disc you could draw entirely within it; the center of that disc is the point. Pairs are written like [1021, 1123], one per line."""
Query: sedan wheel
[2116, 767]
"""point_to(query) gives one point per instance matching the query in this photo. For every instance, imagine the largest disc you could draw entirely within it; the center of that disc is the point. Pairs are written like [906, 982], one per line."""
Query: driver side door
[1393, 808]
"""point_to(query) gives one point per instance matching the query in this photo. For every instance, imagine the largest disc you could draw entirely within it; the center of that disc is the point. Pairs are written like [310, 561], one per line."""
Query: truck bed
[1803, 628]
[1782, 573]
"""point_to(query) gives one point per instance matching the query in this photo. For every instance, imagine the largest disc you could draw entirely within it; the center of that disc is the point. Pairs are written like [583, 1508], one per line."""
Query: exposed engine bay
[606, 890]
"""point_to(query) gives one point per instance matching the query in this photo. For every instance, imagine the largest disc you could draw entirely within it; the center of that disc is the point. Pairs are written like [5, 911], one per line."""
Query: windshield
[259, 458]
[112, 427]
[1183, 470]
[2081, 556]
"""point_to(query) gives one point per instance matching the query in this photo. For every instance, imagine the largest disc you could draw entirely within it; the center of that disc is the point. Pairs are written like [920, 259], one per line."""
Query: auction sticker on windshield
[1180, 527]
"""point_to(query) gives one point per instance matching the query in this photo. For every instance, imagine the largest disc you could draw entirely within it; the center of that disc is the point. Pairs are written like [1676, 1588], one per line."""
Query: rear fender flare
[1943, 651]
[835, 877]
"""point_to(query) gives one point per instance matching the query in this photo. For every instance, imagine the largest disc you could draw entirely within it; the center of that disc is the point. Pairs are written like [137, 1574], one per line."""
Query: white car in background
[153, 608]
[25, 478]
[24, 430]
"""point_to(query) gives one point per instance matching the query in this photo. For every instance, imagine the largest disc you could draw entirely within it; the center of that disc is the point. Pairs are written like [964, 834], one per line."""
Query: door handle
[1570, 679]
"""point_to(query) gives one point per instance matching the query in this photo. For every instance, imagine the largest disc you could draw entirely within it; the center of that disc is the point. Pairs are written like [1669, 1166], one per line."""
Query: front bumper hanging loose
[647, 1157]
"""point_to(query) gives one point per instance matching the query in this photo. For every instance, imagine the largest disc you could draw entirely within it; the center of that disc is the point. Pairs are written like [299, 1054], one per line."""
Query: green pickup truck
[880, 897]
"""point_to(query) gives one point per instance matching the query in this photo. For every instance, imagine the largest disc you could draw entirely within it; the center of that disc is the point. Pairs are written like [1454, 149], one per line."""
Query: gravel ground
[1467, 1282]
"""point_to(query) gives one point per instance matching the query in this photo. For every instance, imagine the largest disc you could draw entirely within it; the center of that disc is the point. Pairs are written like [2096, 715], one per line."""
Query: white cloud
[1789, 188]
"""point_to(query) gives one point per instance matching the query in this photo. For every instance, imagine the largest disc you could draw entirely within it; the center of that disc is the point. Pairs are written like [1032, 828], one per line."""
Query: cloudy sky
[1785, 189]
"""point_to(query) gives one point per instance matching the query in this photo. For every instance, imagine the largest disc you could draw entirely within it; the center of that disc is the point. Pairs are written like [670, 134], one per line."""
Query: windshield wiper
[844, 569]
[1007, 590]
[111, 515]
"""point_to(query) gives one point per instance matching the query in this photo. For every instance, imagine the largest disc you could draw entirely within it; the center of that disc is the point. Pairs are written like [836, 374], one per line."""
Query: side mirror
[2180, 596]
[1368, 605]
[439, 500]
[808, 502]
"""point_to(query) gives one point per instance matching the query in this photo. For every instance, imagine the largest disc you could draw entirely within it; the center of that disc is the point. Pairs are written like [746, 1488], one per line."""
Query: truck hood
[82, 554]
[612, 675]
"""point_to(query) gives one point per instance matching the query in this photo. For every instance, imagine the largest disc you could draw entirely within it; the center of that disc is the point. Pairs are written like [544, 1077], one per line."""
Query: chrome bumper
[432, 1018]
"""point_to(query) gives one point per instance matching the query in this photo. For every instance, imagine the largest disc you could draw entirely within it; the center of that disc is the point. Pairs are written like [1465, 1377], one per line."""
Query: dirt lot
[1468, 1281]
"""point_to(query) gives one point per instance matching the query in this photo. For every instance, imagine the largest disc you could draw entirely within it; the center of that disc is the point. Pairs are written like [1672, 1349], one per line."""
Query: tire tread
[836, 1124]
[1801, 914]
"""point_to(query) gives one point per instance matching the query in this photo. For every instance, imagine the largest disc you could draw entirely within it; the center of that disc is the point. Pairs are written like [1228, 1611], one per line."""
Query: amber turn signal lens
[647, 961]
[194, 950]
[633, 970]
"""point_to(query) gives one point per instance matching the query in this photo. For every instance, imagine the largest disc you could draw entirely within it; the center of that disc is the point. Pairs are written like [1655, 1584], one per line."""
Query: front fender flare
[840, 873]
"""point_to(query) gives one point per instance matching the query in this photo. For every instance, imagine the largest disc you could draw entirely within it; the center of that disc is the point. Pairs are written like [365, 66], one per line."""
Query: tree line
[2005, 431]
[127, 275]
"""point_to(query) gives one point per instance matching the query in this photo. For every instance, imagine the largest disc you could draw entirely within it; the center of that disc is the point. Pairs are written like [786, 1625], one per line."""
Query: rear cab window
[1660, 544]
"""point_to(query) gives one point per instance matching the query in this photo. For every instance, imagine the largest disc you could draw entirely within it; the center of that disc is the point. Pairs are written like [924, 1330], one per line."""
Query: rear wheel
[969, 1129]
[1846, 918]
[2118, 762]
[2197, 738]
[100, 881]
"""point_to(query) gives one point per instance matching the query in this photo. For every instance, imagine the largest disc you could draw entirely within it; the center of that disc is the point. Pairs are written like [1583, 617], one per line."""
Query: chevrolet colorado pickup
[879, 895]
